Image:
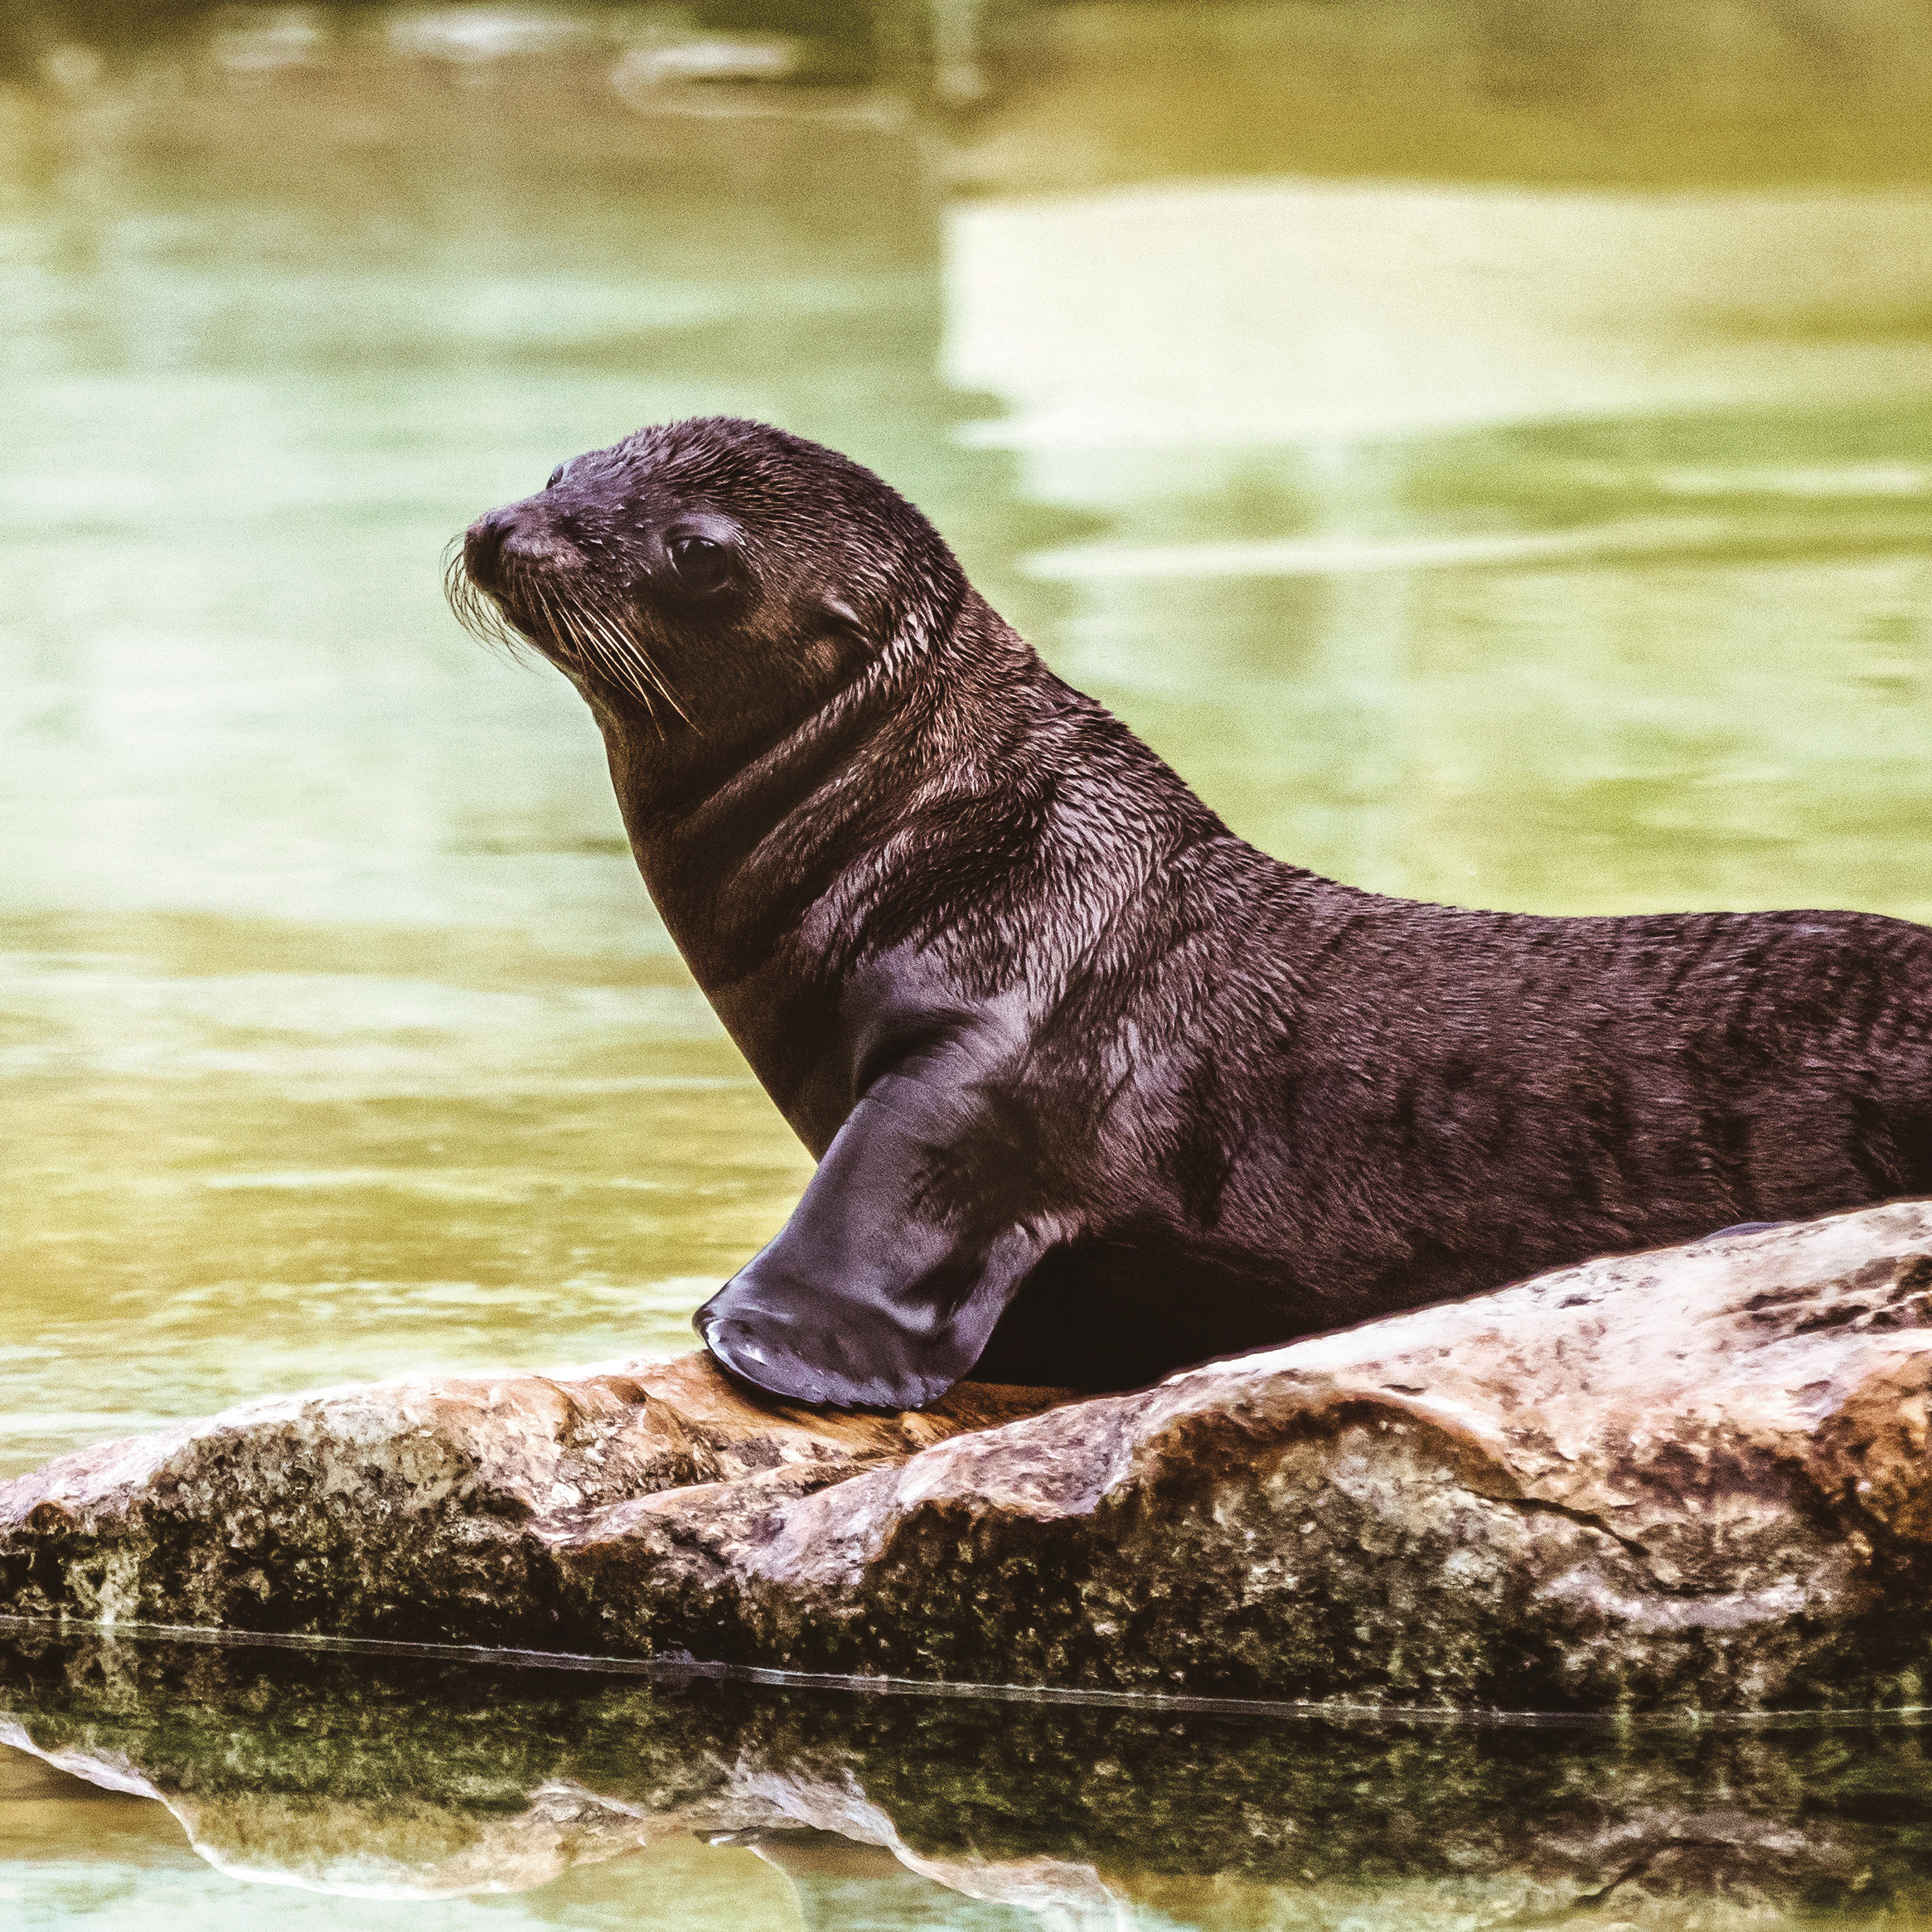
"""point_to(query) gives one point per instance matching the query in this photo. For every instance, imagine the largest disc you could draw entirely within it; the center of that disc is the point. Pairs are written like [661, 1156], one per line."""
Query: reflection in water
[650, 1804]
[1233, 315]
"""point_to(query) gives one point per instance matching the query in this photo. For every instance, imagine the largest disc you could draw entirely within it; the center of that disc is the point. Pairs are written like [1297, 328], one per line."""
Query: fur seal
[1096, 1089]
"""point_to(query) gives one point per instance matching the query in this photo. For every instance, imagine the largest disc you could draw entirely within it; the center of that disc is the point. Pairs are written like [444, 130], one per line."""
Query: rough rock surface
[426, 1506]
[1693, 1478]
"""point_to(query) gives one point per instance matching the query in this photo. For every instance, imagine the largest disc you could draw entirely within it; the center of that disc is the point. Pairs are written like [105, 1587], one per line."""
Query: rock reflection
[376, 1777]
[402, 1847]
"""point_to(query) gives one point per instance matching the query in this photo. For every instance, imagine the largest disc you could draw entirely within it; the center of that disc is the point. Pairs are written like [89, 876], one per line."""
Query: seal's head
[713, 577]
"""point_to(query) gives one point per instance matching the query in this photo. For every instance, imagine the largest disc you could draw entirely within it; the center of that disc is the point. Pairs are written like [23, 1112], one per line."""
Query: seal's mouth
[512, 581]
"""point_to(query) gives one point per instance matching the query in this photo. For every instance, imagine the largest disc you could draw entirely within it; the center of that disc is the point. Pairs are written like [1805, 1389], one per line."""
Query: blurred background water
[1487, 447]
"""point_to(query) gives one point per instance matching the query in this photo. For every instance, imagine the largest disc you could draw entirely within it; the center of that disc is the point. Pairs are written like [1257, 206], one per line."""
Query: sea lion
[1097, 1089]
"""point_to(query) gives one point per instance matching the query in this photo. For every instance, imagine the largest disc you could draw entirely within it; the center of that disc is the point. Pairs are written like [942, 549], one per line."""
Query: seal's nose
[521, 530]
[483, 548]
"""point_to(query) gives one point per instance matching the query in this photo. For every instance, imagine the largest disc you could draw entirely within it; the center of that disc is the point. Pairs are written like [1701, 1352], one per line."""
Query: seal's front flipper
[885, 1284]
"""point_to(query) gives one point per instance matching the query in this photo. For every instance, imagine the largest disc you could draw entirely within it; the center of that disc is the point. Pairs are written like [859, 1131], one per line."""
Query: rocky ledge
[1690, 1479]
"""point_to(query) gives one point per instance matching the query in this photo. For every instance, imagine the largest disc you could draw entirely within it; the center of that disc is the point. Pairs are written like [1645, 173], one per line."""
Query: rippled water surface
[1487, 475]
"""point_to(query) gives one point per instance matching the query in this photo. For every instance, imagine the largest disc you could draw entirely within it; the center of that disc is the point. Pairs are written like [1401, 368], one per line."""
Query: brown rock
[1695, 1478]
[423, 1506]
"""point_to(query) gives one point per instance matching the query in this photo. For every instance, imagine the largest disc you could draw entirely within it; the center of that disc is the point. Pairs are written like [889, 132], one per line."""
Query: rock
[423, 1506]
[1693, 1479]
[397, 1777]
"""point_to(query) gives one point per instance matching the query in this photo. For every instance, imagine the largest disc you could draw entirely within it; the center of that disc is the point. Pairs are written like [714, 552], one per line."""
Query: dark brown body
[1100, 1089]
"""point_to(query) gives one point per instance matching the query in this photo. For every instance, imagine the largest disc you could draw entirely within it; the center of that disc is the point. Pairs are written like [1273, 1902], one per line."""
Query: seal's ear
[871, 1297]
[843, 618]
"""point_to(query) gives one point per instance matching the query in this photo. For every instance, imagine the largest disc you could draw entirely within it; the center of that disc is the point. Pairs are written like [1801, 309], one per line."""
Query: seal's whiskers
[476, 610]
[591, 647]
[626, 643]
[581, 632]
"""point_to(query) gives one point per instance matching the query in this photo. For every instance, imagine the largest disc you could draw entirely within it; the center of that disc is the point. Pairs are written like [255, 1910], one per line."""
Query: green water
[1497, 470]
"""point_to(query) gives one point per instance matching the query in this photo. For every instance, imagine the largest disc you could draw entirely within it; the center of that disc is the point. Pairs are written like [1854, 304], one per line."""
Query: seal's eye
[698, 563]
[556, 477]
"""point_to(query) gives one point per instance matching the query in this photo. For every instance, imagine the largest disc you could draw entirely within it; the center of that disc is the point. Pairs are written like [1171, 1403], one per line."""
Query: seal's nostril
[483, 548]
[523, 532]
